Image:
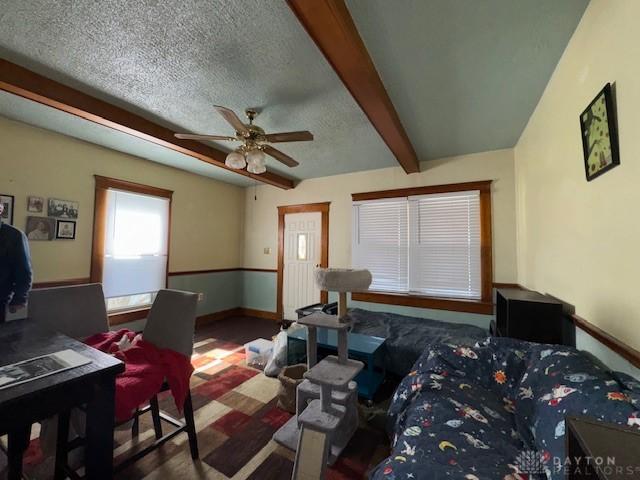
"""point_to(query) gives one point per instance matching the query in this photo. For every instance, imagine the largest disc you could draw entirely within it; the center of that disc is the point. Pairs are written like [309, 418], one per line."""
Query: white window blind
[380, 242]
[427, 244]
[444, 244]
[136, 244]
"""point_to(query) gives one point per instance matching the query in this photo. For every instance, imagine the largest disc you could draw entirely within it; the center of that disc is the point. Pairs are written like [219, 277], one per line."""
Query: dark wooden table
[92, 384]
[601, 451]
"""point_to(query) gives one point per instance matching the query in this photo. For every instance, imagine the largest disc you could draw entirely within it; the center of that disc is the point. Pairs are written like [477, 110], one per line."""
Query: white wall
[579, 240]
[261, 215]
[207, 215]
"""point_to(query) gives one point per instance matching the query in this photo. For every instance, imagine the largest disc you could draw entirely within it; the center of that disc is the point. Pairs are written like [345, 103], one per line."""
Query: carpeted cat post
[327, 412]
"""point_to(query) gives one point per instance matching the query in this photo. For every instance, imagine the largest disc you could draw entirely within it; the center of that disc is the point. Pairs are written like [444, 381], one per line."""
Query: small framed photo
[66, 229]
[62, 208]
[35, 204]
[7, 202]
[40, 228]
[600, 135]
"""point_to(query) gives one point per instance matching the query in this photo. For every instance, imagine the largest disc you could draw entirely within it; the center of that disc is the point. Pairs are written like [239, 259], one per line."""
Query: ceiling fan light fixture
[256, 168]
[235, 160]
[256, 157]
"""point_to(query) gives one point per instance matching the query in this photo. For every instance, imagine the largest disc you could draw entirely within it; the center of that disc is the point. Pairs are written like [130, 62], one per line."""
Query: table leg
[18, 443]
[62, 439]
[99, 434]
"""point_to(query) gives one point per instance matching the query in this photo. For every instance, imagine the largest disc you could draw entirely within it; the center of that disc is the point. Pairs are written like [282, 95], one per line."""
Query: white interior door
[302, 239]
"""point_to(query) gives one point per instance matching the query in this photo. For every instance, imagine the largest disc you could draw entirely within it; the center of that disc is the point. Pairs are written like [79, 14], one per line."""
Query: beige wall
[207, 216]
[261, 219]
[579, 240]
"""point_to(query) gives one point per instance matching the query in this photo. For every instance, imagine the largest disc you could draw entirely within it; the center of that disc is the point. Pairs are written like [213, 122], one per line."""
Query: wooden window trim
[127, 316]
[103, 184]
[484, 305]
[323, 208]
[420, 301]
[483, 186]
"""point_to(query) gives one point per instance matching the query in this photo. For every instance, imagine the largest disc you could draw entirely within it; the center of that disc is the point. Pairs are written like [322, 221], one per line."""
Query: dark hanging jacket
[15, 266]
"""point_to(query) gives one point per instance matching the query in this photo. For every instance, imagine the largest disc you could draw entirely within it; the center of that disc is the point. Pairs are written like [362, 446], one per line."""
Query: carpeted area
[235, 415]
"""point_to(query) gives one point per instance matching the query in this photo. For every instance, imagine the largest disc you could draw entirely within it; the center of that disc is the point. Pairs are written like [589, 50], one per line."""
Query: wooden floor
[236, 416]
[239, 330]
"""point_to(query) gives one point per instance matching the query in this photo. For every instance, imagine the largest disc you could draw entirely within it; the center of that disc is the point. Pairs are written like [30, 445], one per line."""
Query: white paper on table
[38, 367]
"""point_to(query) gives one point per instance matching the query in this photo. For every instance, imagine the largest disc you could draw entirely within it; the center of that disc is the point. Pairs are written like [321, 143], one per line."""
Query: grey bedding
[407, 337]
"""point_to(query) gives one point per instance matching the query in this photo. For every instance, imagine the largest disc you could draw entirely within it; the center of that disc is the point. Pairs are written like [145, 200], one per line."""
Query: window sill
[118, 318]
[436, 303]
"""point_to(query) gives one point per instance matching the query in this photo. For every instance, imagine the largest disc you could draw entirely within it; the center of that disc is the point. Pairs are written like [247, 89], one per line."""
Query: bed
[496, 410]
[407, 337]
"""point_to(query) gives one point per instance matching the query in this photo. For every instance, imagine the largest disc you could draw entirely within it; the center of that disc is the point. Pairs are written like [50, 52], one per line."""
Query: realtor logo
[531, 462]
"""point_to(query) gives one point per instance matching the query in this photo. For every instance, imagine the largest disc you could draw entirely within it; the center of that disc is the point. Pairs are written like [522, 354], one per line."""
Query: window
[380, 242]
[426, 242]
[131, 240]
[303, 240]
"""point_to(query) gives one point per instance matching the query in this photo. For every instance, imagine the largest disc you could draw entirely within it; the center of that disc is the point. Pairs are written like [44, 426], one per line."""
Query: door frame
[323, 208]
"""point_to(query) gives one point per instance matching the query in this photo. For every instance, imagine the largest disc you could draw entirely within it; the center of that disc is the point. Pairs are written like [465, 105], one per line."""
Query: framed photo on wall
[62, 208]
[600, 135]
[7, 202]
[35, 204]
[66, 229]
[40, 228]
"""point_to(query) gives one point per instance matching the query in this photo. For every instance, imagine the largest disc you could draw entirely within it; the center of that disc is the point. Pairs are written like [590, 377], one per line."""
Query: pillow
[561, 381]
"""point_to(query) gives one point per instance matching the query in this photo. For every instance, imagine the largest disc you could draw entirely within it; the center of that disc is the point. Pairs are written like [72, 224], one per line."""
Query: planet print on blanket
[445, 444]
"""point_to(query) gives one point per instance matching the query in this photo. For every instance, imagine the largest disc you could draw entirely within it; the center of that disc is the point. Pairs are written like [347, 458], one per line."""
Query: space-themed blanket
[496, 410]
[407, 337]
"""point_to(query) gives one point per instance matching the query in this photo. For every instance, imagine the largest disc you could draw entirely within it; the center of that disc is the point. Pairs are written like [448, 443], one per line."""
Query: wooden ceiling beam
[25, 83]
[331, 27]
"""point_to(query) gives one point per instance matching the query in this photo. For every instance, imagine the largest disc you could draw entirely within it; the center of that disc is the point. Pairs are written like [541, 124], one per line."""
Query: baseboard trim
[216, 316]
[250, 312]
[235, 312]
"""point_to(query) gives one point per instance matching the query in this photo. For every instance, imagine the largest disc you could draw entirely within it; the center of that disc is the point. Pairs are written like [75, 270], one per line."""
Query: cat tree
[326, 407]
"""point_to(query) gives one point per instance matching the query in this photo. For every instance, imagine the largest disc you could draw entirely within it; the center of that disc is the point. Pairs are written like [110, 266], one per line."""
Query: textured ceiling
[170, 61]
[465, 75]
[36, 114]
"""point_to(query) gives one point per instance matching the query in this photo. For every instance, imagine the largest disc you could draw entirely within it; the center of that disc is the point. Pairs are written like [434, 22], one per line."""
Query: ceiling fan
[255, 142]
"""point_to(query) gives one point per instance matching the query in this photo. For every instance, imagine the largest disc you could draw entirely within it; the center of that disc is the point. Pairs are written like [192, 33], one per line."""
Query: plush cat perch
[343, 281]
[327, 400]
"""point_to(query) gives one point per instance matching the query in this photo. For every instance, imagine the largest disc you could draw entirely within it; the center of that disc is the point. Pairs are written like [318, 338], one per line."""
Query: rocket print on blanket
[468, 412]
[557, 394]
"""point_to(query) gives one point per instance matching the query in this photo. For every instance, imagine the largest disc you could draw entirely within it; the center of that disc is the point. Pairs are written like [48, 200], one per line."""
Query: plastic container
[290, 377]
[258, 352]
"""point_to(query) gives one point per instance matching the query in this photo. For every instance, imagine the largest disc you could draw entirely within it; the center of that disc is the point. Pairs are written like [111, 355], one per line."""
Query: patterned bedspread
[496, 410]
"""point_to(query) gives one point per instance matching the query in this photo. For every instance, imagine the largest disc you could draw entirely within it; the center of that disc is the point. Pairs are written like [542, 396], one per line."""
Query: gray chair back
[78, 311]
[171, 321]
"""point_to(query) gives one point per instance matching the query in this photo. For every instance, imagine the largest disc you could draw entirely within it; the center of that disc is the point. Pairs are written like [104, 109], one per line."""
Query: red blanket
[146, 368]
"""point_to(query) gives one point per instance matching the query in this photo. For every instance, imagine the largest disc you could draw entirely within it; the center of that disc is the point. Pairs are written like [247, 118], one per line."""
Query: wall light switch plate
[200, 296]
[267, 250]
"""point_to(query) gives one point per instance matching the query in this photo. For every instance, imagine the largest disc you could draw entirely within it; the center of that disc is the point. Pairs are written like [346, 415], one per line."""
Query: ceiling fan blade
[232, 119]
[189, 136]
[303, 136]
[278, 155]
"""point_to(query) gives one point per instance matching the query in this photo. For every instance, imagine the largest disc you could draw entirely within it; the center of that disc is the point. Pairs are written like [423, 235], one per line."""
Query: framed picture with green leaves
[600, 135]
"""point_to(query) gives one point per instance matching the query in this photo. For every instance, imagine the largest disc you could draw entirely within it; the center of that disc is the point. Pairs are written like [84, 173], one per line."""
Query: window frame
[103, 184]
[482, 306]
